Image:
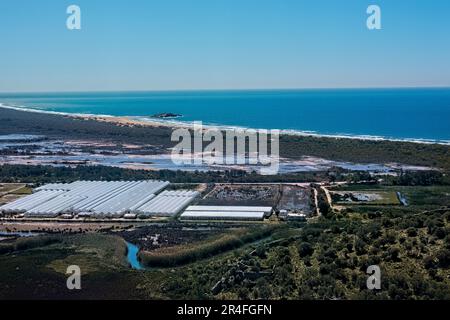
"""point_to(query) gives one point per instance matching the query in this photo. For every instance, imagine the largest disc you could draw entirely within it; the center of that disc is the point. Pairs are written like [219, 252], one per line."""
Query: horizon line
[228, 89]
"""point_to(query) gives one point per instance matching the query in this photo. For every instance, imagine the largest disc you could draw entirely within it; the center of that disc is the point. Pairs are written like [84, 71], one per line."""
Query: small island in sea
[166, 115]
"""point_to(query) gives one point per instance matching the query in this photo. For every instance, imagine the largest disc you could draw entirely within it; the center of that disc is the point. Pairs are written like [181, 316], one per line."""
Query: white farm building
[102, 199]
[252, 213]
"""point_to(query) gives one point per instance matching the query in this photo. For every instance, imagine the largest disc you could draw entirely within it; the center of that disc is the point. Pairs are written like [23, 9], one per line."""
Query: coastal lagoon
[405, 114]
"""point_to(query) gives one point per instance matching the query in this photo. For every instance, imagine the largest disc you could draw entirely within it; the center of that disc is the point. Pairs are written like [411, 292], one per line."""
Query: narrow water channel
[132, 256]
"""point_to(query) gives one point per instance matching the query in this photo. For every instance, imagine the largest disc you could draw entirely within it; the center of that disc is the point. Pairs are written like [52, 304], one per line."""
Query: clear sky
[222, 44]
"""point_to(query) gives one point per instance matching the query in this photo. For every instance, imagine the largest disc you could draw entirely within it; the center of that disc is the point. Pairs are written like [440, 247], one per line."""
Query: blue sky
[222, 44]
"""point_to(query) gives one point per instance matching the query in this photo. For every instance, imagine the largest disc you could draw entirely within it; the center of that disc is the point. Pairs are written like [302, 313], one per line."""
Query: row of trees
[49, 174]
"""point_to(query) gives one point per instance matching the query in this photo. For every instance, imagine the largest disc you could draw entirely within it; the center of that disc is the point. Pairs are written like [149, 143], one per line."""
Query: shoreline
[170, 123]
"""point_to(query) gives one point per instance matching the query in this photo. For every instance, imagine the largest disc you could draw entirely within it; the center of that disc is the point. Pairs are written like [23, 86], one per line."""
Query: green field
[431, 196]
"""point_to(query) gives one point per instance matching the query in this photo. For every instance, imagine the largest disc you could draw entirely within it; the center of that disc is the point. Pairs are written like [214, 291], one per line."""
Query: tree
[443, 257]
[439, 233]
[360, 247]
[305, 249]
[394, 253]
[411, 232]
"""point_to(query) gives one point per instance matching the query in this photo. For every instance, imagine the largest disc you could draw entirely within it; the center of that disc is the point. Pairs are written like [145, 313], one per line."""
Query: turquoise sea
[416, 114]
